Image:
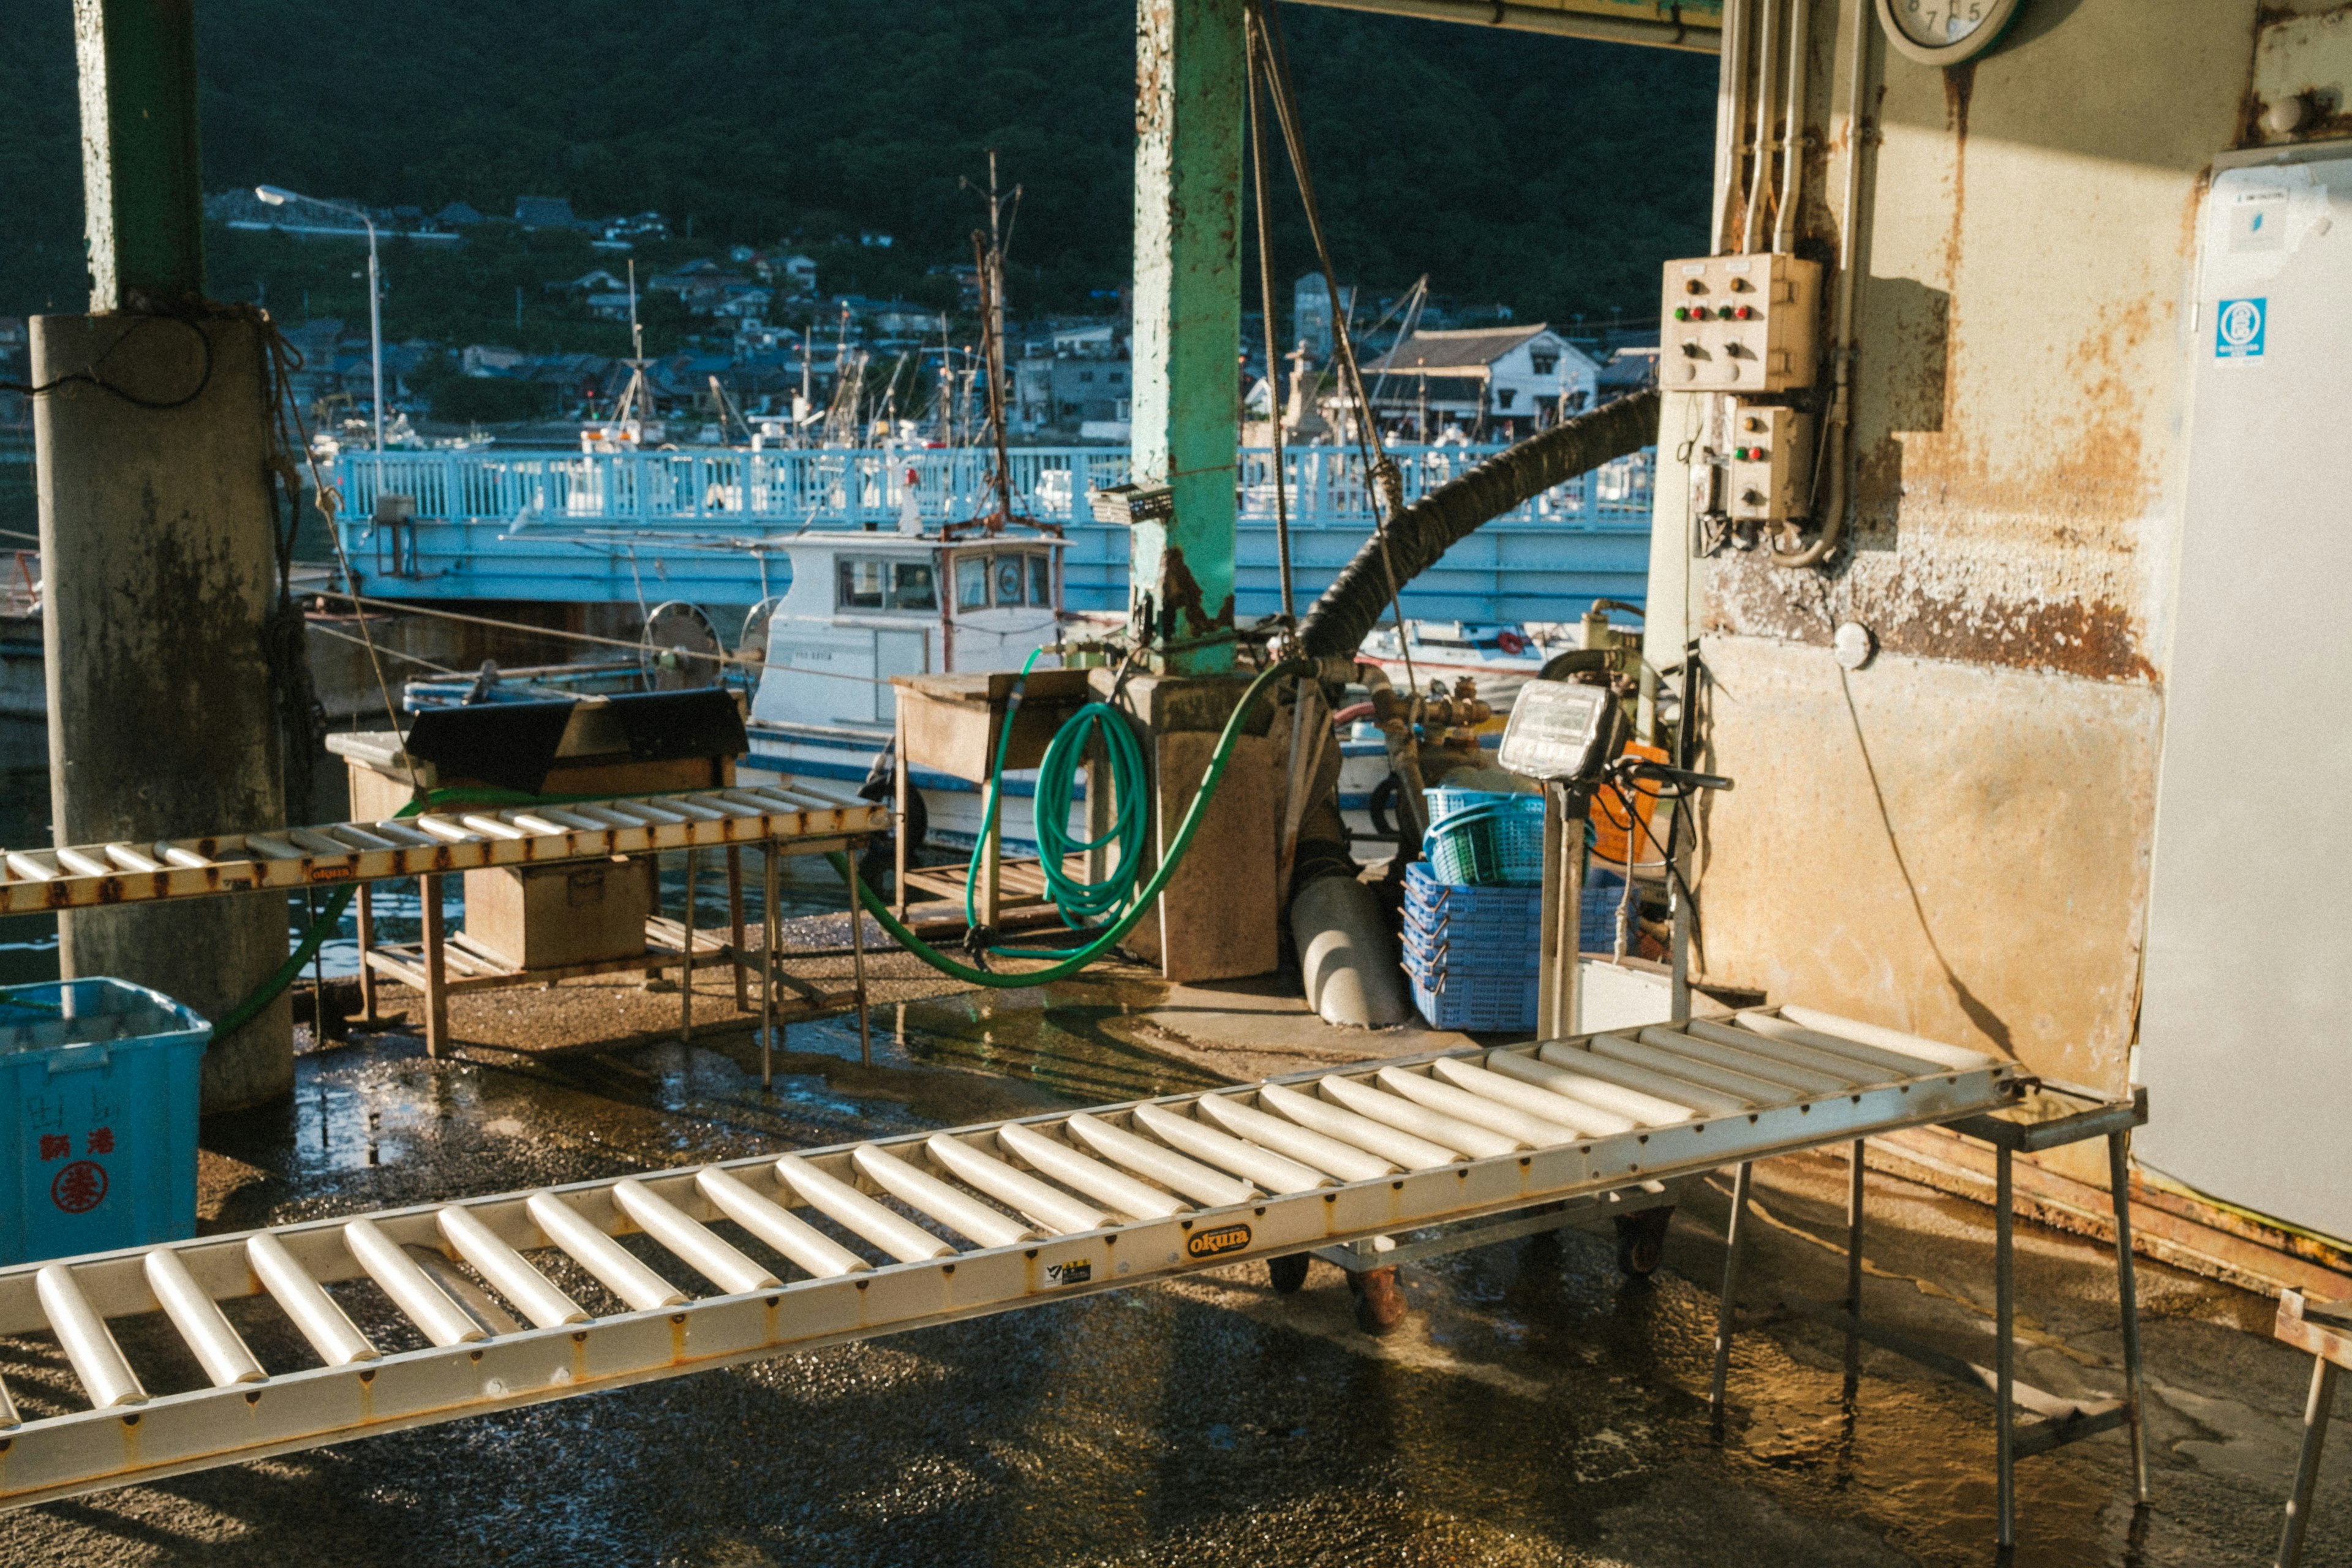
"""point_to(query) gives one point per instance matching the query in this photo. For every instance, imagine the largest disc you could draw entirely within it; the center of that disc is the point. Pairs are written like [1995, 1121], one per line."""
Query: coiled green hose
[1144, 897]
[1079, 901]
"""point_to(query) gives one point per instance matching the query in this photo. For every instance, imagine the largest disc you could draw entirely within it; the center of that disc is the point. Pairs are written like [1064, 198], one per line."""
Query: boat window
[972, 583]
[860, 584]
[912, 588]
[1009, 579]
[1040, 590]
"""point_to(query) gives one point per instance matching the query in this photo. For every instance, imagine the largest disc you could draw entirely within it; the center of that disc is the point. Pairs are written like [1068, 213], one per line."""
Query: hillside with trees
[1547, 173]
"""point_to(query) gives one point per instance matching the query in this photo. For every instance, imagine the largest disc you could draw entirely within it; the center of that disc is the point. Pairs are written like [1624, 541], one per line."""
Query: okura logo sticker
[1217, 1243]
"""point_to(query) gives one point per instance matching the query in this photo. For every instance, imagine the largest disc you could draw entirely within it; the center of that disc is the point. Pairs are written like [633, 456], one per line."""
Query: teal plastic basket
[1486, 839]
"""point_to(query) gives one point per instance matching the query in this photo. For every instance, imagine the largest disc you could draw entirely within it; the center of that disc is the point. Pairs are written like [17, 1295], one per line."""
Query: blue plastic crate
[1464, 915]
[1444, 947]
[1454, 1000]
[100, 1137]
[1438, 901]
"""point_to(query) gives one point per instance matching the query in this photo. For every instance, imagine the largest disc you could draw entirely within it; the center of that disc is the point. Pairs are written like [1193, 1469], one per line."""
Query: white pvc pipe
[304, 1300]
[508, 1270]
[82, 1334]
[1341, 1161]
[1807, 1080]
[1891, 1039]
[829, 1195]
[1767, 32]
[1390, 1143]
[1584, 1120]
[1451, 1100]
[1195, 1181]
[706, 1253]
[921, 1190]
[1099, 1182]
[1407, 1116]
[1730, 122]
[1792, 156]
[799, 1242]
[1703, 1099]
[225, 1358]
[412, 1291]
[1044, 1204]
[1585, 1089]
[1275, 1173]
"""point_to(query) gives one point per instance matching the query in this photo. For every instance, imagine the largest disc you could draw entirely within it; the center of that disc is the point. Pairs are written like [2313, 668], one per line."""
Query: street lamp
[276, 197]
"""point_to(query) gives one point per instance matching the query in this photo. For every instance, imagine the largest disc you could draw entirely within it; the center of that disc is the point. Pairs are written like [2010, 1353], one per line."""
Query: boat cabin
[863, 607]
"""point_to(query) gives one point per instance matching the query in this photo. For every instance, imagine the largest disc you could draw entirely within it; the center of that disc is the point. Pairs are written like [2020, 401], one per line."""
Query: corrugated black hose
[1421, 534]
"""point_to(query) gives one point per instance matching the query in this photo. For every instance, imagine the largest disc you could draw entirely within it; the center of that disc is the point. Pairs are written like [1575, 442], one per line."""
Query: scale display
[1556, 727]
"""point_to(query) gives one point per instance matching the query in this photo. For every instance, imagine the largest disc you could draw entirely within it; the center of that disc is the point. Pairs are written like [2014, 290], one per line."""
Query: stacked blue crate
[1474, 951]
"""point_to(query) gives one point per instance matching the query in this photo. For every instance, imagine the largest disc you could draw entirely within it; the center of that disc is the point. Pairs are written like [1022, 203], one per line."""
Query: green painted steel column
[1191, 64]
[140, 175]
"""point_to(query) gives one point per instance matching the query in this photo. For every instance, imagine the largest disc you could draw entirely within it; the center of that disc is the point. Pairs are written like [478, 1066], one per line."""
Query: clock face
[1945, 32]
[1938, 22]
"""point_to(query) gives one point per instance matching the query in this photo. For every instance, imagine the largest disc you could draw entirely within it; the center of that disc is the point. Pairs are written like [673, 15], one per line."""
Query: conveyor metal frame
[2070, 1115]
[448, 839]
[131, 1436]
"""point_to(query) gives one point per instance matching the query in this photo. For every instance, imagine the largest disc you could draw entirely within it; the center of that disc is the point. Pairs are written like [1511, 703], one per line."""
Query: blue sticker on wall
[2238, 329]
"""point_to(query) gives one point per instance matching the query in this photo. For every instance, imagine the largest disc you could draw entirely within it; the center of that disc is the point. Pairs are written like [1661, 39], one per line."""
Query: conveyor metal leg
[686, 954]
[2316, 1412]
[768, 936]
[2128, 1298]
[436, 992]
[1735, 1236]
[1853, 1201]
[735, 927]
[858, 958]
[2004, 1281]
[367, 943]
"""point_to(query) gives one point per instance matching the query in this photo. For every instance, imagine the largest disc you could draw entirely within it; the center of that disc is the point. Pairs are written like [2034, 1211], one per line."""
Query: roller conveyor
[453, 839]
[752, 1257]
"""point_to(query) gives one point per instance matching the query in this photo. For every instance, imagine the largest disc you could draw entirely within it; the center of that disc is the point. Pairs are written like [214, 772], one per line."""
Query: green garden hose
[1144, 897]
[1080, 902]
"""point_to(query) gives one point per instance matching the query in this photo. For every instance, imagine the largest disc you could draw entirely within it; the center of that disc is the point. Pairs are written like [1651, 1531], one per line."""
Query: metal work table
[2048, 1116]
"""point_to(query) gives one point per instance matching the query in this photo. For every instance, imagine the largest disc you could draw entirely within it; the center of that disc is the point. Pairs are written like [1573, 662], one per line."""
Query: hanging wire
[1387, 486]
[1261, 178]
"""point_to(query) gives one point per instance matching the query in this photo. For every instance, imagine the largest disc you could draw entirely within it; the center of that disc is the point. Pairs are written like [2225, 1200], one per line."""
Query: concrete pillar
[1190, 71]
[157, 567]
[157, 578]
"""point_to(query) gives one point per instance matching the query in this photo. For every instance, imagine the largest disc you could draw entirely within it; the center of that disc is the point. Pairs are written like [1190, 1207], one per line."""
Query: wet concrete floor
[1539, 1406]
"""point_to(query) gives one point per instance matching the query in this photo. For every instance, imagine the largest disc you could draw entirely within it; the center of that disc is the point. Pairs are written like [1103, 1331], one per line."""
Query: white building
[1502, 382]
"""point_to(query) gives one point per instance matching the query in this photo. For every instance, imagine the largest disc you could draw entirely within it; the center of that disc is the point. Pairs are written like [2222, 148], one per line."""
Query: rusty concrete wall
[1980, 874]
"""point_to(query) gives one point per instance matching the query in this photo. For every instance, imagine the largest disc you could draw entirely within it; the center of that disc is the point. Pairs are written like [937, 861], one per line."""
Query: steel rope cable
[1381, 473]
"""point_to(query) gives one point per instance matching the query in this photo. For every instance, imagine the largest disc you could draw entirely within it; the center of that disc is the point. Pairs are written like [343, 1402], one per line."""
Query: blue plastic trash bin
[99, 1140]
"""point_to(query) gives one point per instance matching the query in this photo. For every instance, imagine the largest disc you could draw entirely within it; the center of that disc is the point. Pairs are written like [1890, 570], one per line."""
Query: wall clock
[1946, 32]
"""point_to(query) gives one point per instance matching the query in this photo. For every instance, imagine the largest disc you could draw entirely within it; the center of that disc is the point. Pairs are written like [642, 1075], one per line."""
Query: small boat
[865, 607]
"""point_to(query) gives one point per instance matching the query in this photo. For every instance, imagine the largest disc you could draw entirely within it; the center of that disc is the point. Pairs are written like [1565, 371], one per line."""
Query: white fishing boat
[866, 606]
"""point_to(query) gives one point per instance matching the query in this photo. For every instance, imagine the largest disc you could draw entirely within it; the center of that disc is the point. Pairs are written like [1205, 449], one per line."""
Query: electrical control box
[1741, 323]
[1769, 476]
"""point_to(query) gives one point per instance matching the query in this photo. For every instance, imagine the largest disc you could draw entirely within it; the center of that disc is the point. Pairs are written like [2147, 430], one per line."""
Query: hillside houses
[1501, 381]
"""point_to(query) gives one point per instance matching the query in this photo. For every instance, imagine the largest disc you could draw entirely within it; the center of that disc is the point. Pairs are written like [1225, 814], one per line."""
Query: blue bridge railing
[710, 525]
